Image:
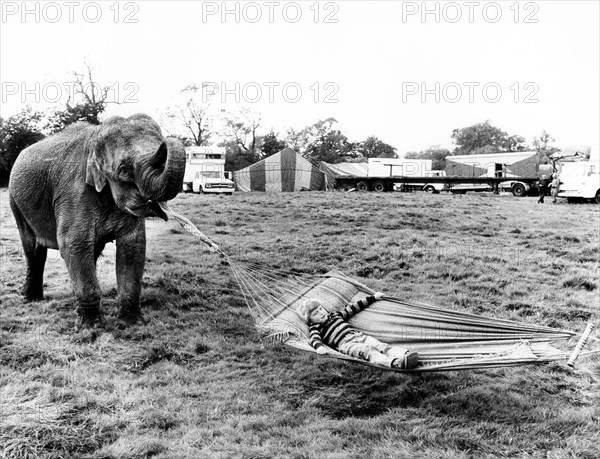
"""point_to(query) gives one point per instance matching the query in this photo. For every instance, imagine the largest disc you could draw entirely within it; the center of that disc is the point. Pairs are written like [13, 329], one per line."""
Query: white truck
[581, 179]
[429, 187]
[205, 171]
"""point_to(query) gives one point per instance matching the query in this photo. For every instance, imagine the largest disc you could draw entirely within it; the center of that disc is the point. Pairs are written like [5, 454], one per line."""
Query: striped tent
[283, 171]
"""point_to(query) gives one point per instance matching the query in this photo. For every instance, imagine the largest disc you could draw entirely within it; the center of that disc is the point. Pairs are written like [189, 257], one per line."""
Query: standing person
[543, 187]
[555, 186]
[333, 329]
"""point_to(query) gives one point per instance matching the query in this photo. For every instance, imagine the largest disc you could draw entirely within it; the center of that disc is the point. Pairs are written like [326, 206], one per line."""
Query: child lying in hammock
[334, 330]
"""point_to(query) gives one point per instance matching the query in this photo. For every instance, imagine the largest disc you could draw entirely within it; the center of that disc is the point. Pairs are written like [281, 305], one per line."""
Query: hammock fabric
[445, 339]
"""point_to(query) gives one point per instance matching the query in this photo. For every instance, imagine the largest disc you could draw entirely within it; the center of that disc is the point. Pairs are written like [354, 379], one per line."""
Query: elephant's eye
[125, 172]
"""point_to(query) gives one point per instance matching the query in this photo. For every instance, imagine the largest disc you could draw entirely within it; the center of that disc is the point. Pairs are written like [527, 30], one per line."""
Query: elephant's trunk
[161, 178]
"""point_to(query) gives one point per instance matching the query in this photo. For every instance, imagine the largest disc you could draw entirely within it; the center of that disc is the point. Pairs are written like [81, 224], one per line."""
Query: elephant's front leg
[78, 253]
[131, 256]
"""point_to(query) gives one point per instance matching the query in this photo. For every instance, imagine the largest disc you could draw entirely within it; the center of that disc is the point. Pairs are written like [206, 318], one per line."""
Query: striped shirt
[336, 327]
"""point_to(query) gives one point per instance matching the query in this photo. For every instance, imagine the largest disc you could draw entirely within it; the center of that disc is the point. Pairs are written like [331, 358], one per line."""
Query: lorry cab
[581, 179]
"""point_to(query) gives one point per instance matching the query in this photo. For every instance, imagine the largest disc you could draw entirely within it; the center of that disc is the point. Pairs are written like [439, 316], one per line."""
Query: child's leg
[397, 351]
[362, 350]
[407, 359]
[384, 348]
[379, 358]
[376, 344]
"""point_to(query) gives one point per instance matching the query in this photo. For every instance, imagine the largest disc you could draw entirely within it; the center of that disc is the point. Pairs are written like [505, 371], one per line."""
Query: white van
[581, 179]
[205, 171]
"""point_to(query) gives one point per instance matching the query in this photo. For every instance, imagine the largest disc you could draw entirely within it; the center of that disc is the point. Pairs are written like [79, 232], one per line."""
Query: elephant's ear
[93, 174]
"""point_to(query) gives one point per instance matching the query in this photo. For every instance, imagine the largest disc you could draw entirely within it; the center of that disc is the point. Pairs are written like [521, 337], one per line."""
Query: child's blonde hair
[306, 307]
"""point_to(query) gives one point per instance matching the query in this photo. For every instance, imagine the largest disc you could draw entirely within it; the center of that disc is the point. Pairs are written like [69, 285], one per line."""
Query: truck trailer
[518, 171]
[475, 174]
[457, 185]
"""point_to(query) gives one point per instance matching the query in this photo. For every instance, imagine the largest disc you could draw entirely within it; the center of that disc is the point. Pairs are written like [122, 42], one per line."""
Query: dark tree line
[17, 133]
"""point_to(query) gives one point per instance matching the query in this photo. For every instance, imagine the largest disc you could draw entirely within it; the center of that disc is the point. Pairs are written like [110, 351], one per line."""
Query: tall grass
[195, 381]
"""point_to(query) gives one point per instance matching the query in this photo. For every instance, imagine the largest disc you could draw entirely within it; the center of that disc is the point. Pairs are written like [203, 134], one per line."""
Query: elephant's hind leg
[35, 256]
[34, 283]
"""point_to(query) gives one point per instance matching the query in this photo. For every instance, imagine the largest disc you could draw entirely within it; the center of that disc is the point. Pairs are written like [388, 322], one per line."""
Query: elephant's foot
[32, 298]
[130, 315]
[90, 323]
[126, 322]
[88, 329]
[88, 315]
[32, 294]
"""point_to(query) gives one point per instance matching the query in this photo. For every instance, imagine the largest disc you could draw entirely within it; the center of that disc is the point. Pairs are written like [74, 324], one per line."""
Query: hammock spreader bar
[582, 342]
[445, 339]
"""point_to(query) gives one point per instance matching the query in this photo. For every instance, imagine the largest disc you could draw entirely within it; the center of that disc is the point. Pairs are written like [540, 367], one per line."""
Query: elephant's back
[31, 196]
[44, 174]
[29, 174]
[51, 161]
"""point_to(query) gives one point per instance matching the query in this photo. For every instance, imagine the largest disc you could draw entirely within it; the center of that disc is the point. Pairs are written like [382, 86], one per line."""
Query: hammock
[445, 339]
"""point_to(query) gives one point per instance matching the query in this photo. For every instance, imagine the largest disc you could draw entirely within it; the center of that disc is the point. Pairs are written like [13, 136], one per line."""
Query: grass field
[195, 381]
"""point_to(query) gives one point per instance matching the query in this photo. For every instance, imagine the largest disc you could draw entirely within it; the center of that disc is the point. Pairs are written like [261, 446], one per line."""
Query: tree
[271, 145]
[322, 141]
[514, 143]
[488, 149]
[193, 116]
[297, 140]
[17, 133]
[485, 138]
[331, 147]
[300, 141]
[544, 150]
[436, 154]
[372, 147]
[235, 157]
[94, 99]
[240, 129]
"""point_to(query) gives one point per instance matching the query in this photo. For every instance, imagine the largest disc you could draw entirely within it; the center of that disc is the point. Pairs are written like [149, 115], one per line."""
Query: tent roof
[275, 157]
[502, 157]
[338, 169]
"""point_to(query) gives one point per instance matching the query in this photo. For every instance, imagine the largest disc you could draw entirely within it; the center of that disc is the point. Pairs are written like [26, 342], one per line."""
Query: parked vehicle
[392, 174]
[581, 179]
[205, 171]
[427, 186]
[518, 171]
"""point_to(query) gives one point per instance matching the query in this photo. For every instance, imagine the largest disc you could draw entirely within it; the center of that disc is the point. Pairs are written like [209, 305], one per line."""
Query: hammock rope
[445, 339]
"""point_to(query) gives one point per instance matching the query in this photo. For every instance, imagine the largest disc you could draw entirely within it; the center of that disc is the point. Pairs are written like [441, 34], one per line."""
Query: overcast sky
[406, 72]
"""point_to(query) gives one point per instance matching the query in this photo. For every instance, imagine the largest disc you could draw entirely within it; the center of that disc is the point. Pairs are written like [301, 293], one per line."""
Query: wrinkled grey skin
[89, 185]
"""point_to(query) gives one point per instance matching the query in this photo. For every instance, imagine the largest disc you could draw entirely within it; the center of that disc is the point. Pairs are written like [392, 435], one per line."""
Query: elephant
[88, 185]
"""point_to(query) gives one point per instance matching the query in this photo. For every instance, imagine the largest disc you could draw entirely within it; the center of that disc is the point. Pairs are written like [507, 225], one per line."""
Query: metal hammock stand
[445, 339]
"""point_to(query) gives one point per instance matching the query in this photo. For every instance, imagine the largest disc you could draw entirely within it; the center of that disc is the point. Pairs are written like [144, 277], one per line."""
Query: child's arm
[354, 308]
[315, 339]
